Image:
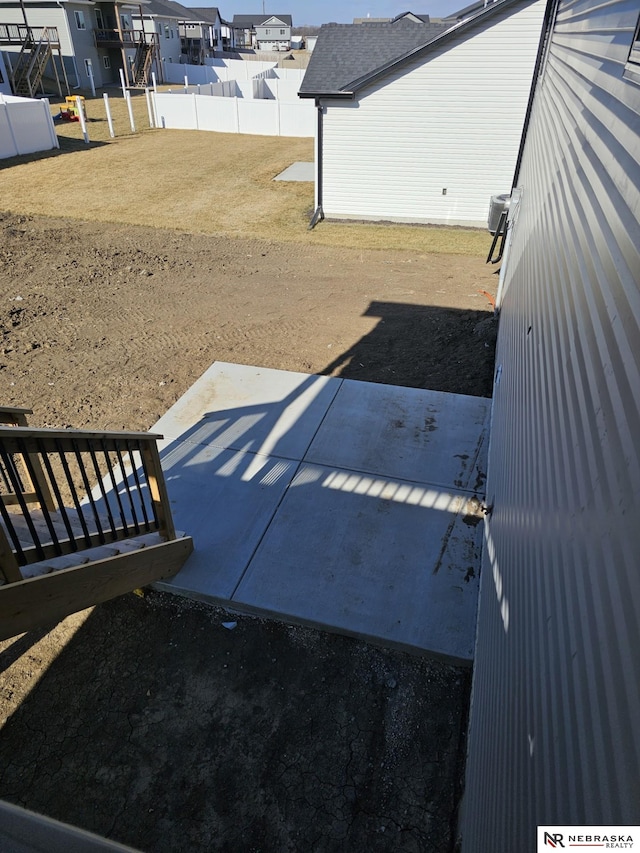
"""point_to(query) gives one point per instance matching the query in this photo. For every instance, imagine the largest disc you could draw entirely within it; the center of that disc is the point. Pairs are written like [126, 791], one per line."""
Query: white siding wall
[452, 121]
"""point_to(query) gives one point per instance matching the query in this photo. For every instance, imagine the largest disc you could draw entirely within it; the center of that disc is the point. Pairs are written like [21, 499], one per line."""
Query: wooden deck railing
[22, 34]
[62, 491]
[84, 517]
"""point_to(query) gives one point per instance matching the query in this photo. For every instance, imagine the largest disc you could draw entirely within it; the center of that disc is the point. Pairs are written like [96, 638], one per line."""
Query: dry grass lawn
[198, 182]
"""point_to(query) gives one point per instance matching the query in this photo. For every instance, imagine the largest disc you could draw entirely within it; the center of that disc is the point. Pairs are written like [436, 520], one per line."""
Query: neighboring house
[212, 29]
[96, 39]
[185, 35]
[5, 85]
[553, 732]
[262, 32]
[162, 19]
[422, 122]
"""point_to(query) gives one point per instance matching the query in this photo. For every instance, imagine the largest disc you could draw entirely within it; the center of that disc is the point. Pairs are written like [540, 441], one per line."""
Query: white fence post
[11, 132]
[83, 122]
[155, 110]
[122, 83]
[186, 84]
[108, 111]
[52, 130]
[149, 108]
[154, 81]
[130, 109]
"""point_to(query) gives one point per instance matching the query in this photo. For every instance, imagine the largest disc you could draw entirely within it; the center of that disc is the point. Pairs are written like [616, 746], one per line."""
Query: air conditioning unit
[497, 206]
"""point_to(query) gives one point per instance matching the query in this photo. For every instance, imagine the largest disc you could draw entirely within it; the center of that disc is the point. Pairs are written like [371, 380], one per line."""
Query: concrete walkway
[349, 506]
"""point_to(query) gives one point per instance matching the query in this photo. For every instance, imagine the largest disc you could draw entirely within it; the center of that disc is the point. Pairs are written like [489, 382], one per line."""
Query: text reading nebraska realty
[588, 837]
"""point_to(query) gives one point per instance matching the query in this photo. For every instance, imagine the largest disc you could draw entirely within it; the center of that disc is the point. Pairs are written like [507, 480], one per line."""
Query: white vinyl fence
[215, 71]
[26, 126]
[235, 115]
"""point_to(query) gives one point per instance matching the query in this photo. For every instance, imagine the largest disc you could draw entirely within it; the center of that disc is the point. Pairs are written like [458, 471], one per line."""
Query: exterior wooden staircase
[143, 61]
[84, 517]
[37, 51]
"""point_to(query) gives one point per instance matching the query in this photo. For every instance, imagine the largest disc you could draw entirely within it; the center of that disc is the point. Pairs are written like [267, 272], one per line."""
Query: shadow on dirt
[158, 727]
[440, 341]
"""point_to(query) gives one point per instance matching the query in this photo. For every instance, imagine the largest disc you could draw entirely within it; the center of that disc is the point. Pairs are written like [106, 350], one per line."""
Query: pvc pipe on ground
[149, 107]
[83, 123]
[108, 111]
[130, 109]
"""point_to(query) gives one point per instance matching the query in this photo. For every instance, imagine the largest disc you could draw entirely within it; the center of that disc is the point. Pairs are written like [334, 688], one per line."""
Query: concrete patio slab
[298, 171]
[376, 558]
[273, 412]
[429, 436]
[226, 500]
[346, 505]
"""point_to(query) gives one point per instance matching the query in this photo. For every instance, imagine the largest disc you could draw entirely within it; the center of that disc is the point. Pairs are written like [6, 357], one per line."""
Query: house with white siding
[262, 32]
[421, 122]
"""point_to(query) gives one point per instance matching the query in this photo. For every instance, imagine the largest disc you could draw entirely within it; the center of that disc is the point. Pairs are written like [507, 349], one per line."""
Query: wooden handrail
[113, 479]
[47, 432]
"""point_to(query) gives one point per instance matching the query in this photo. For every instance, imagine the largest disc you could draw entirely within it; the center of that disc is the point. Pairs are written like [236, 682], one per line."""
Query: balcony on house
[128, 38]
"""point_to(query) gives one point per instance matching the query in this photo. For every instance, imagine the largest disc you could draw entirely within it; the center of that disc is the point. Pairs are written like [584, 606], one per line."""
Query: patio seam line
[353, 470]
[286, 491]
[266, 529]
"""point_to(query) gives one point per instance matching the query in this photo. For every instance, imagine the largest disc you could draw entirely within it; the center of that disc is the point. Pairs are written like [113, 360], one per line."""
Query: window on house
[106, 62]
[166, 31]
[268, 32]
[283, 32]
[99, 20]
[172, 32]
[126, 22]
[80, 24]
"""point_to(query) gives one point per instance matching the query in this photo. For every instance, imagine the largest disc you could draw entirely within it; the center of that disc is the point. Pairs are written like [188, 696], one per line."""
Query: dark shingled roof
[346, 52]
[206, 13]
[249, 21]
[167, 9]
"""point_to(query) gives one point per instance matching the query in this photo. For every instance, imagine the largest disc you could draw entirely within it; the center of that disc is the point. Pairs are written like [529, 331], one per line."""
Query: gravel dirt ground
[145, 719]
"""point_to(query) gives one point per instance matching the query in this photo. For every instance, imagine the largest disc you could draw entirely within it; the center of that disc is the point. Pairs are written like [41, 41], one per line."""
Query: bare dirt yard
[144, 719]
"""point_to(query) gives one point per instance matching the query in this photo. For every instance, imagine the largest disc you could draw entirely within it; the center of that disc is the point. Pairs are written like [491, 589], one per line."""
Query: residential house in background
[422, 122]
[93, 40]
[262, 32]
[5, 85]
[206, 36]
[160, 19]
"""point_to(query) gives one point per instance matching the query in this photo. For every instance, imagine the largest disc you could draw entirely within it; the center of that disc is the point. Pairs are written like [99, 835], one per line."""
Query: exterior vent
[498, 205]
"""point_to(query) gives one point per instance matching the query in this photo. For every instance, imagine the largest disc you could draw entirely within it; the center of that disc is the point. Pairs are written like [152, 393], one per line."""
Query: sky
[340, 11]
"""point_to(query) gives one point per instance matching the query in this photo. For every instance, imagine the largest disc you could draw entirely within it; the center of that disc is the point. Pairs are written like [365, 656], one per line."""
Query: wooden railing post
[18, 417]
[158, 488]
[9, 568]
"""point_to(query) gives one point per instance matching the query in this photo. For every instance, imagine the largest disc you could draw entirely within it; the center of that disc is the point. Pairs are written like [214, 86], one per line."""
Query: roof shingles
[345, 53]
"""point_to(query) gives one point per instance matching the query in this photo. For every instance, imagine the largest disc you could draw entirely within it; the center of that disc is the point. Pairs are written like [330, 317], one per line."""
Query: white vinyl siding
[449, 121]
